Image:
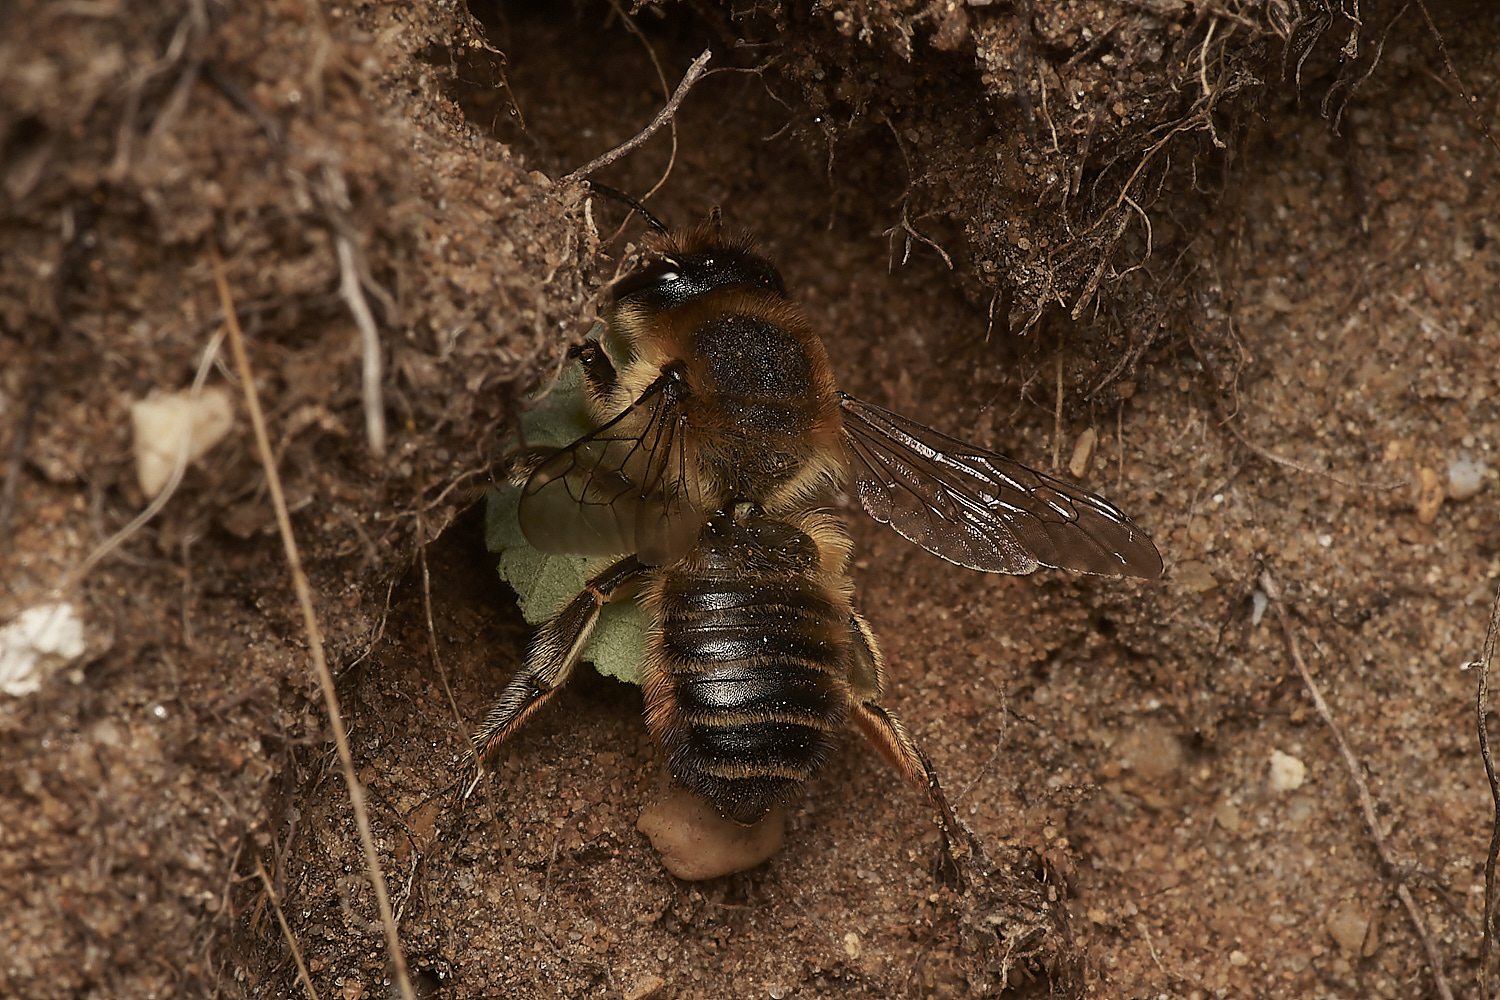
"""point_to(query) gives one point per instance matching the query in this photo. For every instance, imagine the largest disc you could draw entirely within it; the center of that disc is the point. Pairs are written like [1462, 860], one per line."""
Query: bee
[721, 444]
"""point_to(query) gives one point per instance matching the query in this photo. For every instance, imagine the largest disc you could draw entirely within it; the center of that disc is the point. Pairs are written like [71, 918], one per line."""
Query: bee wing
[978, 509]
[628, 487]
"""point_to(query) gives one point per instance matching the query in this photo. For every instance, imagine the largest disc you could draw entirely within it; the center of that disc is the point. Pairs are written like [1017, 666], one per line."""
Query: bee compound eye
[656, 278]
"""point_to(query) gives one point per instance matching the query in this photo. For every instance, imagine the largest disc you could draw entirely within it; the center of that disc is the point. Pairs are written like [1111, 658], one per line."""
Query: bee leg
[867, 680]
[526, 461]
[553, 657]
[598, 369]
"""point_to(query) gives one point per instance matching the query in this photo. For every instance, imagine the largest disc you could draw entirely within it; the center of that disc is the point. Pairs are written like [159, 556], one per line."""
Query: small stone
[36, 644]
[1287, 772]
[1465, 478]
[1258, 604]
[1348, 925]
[1194, 576]
[1083, 452]
[1152, 752]
[1429, 495]
[645, 987]
[173, 427]
[1227, 815]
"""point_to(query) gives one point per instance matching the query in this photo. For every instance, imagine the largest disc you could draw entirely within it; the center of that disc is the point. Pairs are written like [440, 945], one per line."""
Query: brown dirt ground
[1313, 317]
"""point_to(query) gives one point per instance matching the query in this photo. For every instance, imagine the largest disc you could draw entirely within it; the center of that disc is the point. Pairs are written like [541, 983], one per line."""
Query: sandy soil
[1278, 376]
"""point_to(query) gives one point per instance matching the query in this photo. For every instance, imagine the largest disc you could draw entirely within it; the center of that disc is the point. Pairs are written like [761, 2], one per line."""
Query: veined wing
[978, 509]
[628, 487]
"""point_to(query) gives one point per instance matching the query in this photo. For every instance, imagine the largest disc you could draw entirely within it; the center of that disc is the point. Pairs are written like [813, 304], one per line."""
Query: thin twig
[1356, 775]
[1485, 660]
[547, 878]
[1057, 407]
[286, 932]
[354, 273]
[379, 627]
[1208, 96]
[1041, 84]
[411, 875]
[177, 102]
[195, 21]
[1092, 285]
[666, 90]
[911, 232]
[1303, 467]
[989, 762]
[355, 280]
[369, 339]
[38, 377]
[270, 125]
[1140, 925]
[905, 202]
[432, 642]
[662, 117]
[1186, 125]
[314, 631]
[179, 468]
[1150, 239]
[1469, 101]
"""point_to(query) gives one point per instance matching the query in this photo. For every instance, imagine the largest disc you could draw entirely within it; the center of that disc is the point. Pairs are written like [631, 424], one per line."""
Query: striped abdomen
[748, 665]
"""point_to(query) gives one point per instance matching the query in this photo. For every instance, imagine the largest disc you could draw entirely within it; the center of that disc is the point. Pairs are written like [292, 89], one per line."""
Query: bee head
[686, 266]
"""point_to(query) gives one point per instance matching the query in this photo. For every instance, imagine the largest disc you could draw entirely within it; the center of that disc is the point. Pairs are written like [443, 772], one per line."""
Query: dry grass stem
[1483, 705]
[666, 89]
[286, 932]
[432, 643]
[314, 633]
[1303, 467]
[1356, 775]
[1057, 409]
[1469, 102]
[369, 340]
[665, 115]
[179, 467]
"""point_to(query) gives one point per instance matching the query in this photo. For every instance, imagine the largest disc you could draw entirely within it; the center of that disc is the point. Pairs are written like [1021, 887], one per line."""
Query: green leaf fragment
[545, 583]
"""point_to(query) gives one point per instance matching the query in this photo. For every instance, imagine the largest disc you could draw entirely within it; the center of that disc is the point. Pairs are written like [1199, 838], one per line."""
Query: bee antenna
[615, 194]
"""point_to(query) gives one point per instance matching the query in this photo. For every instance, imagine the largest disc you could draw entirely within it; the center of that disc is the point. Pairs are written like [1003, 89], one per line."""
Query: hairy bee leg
[526, 461]
[598, 369]
[553, 656]
[867, 679]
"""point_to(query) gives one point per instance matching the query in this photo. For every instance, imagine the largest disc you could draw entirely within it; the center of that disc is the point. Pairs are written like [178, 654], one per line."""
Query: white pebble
[36, 644]
[1465, 478]
[1287, 772]
[1258, 604]
[176, 427]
